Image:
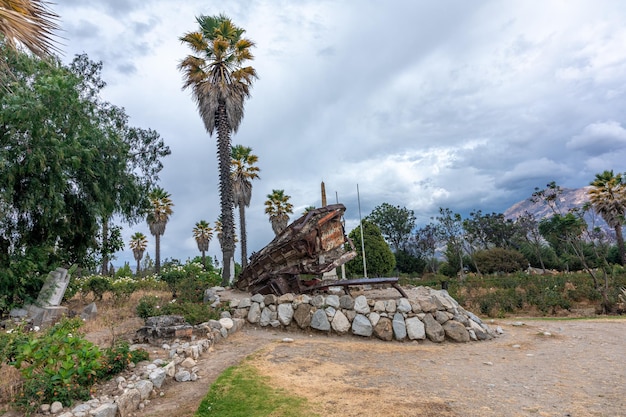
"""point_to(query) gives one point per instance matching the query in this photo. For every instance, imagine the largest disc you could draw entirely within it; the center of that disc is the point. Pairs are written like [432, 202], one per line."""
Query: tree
[528, 231]
[138, 244]
[450, 230]
[379, 258]
[159, 214]
[203, 233]
[395, 223]
[64, 169]
[30, 23]
[608, 199]
[278, 207]
[220, 83]
[244, 171]
[425, 241]
[307, 209]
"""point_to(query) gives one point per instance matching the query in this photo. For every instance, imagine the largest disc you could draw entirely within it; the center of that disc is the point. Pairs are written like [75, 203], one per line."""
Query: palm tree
[244, 171]
[159, 214]
[278, 207]
[203, 233]
[220, 83]
[608, 199]
[29, 23]
[138, 244]
[307, 209]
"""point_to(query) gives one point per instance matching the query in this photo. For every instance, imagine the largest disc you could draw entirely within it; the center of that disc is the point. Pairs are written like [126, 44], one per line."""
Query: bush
[190, 278]
[97, 285]
[193, 313]
[117, 359]
[149, 306]
[495, 260]
[58, 365]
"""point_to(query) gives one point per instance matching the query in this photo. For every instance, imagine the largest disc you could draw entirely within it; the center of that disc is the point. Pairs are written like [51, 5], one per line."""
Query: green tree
[158, 216]
[379, 258]
[608, 198]
[203, 233]
[138, 244]
[395, 223]
[450, 231]
[278, 208]
[425, 242]
[496, 260]
[528, 232]
[61, 164]
[244, 171]
[220, 84]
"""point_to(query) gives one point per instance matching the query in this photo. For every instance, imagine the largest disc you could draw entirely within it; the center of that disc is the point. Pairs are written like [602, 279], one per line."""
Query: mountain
[570, 198]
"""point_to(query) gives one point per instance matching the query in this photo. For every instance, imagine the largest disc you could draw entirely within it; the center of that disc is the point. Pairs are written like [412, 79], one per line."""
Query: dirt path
[571, 368]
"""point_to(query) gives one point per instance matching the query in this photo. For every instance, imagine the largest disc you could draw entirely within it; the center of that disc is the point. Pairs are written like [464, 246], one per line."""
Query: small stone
[56, 407]
[488, 363]
[287, 340]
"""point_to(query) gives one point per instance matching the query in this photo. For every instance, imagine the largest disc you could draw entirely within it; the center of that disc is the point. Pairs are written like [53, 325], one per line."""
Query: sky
[458, 104]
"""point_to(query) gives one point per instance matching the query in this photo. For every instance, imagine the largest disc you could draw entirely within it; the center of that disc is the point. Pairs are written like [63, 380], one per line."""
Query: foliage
[193, 312]
[68, 164]
[158, 215]
[189, 280]
[149, 306]
[117, 359]
[58, 365]
[379, 259]
[395, 223]
[408, 263]
[242, 391]
[500, 260]
[278, 208]
[97, 285]
[30, 23]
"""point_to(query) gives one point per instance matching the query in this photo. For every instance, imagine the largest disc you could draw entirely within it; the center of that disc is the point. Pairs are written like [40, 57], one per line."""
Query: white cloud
[599, 138]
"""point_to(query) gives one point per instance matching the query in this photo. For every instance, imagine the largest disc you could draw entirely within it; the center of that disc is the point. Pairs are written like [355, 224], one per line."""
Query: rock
[403, 305]
[456, 331]
[270, 299]
[254, 314]
[145, 388]
[44, 408]
[374, 317]
[188, 363]
[89, 312]
[319, 321]
[128, 402]
[182, 376]
[244, 303]
[399, 328]
[105, 410]
[434, 331]
[285, 298]
[415, 329]
[441, 316]
[285, 314]
[257, 298]
[361, 325]
[333, 301]
[346, 302]
[226, 322]
[379, 306]
[302, 315]
[157, 377]
[360, 305]
[170, 369]
[427, 305]
[266, 317]
[318, 301]
[390, 306]
[340, 323]
[56, 407]
[81, 408]
[384, 329]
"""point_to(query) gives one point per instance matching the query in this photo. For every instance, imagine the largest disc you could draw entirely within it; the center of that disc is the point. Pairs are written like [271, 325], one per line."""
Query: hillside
[569, 199]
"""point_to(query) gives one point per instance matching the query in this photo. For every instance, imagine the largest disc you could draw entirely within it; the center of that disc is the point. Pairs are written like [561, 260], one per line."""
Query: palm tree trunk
[137, 270]
[242, 232]
[157, 254]
[620, 243]
[204, 259]
[226, 192]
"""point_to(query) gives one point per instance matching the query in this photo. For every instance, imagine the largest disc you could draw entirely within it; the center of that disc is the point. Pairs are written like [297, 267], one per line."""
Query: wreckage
[312, 245]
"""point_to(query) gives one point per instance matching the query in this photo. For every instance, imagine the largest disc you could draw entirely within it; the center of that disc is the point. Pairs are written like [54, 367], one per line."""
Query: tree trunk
[105, 256]
[138, 269]
[204, 259]
[242, 232]
[157, 254]
[226, 192]
[620, 243]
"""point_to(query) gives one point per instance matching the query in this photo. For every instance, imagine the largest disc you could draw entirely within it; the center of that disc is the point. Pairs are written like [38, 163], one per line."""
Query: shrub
[499, 260]
[117, 359]
[96, 284]
[193, 313]
[149, 306]
[58, 365]
[123, 288]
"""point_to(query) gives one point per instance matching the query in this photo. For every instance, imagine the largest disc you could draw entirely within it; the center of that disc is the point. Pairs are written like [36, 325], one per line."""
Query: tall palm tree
[278, 207]
[203, 233]
[244, 171]
[220, 83]
[160, 212]
[608, 199]
[138, 244]
[30, 23]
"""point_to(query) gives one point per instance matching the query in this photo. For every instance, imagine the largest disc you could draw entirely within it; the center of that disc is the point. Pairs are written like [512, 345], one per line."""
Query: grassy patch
[241, 392]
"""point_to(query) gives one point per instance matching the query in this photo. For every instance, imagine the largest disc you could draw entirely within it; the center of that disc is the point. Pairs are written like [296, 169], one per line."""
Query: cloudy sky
[422, 104]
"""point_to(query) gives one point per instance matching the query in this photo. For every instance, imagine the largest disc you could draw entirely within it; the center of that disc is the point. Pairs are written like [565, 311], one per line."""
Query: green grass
[241, 392]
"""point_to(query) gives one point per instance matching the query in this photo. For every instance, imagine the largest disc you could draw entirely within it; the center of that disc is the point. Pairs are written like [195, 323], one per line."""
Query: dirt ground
[539, 368]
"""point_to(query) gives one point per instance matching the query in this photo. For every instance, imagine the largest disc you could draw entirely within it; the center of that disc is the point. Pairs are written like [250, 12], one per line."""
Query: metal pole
[358, 197]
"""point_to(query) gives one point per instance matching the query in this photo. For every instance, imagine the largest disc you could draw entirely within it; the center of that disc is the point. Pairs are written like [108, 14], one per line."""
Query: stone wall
[426, 314]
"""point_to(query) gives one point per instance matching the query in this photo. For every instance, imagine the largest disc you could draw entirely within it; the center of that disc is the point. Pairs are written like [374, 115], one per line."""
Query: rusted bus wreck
[313, 244]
